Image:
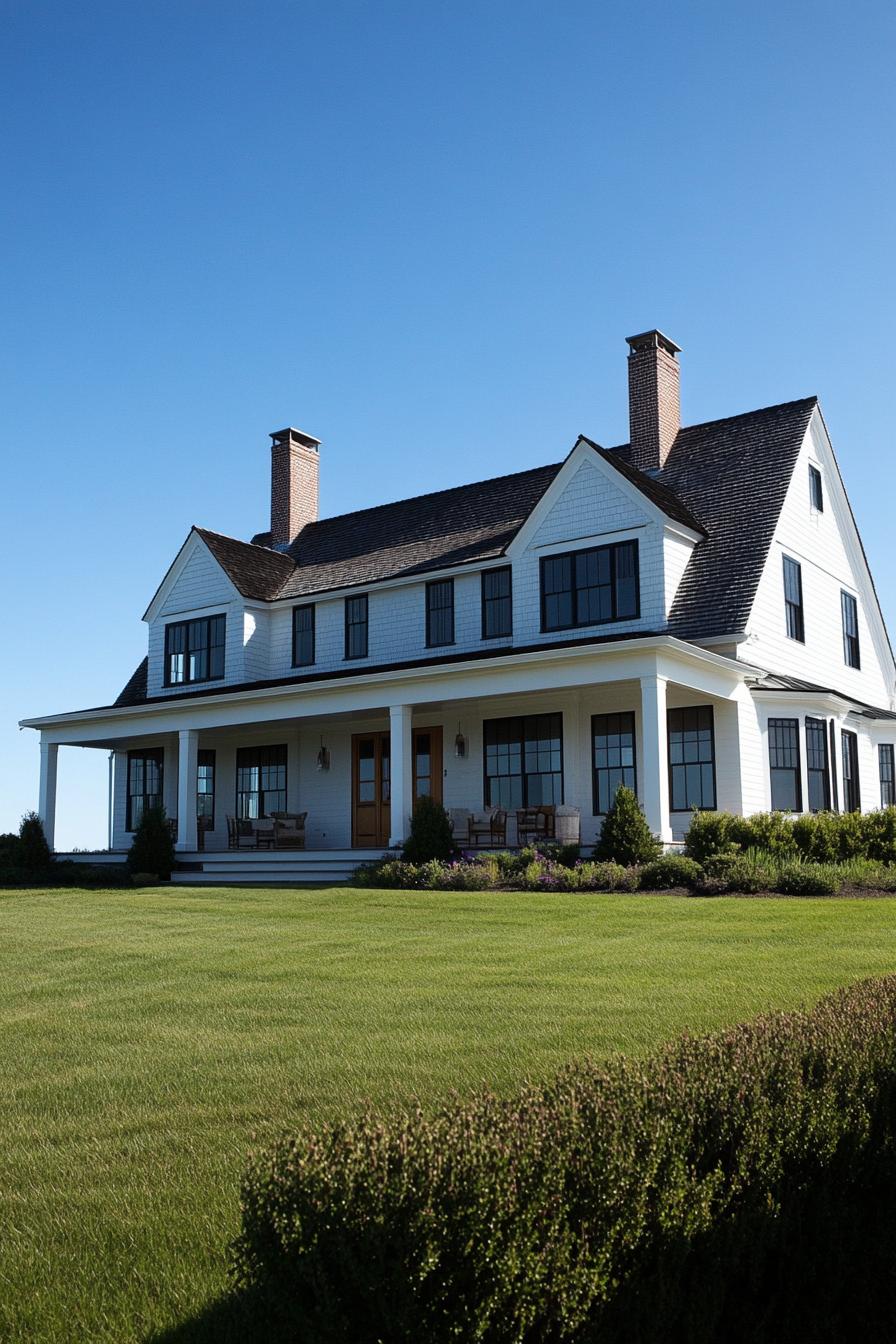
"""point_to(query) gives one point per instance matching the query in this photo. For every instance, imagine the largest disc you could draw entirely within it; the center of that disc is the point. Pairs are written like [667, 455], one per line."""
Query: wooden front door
[371, 793]
[428, 763]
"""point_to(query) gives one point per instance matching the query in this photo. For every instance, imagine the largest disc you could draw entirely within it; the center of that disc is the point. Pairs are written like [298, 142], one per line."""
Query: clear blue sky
[420, 232]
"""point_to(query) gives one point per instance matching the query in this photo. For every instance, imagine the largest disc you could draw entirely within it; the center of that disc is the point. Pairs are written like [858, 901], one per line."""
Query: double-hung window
[612, 757]
[849, 744]
[194, 651]
[205, 788]
[303, 636]
[784, 765]
[692, 759]
[356, 626]
[590, 587]
[887, 777]
[793, 599]
[524, 760]
[816, 494]
[144, 783]
[850, 612]
[260, 781]
[439, 612]
[818, 775]
[497, 603]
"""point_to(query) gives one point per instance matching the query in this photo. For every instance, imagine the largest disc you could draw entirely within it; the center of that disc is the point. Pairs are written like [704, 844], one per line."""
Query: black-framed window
[692, 759]
[194, 650]
[835, 788]
[887, 777]
[816, 493]
[303, 635]
[850, 612]
[849, 745]
[260, 781]
[793, 599]
[439, 612]
[145, 774]
[612, 758]
[205, 787]
[497, 602]
[818, 772]
[590, 587]
[356, 626]
[784, 765]
[523, 760]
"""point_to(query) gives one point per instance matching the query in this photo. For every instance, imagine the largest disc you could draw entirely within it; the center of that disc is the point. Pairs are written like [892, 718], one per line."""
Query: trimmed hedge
[664, 1185]
[820, 837]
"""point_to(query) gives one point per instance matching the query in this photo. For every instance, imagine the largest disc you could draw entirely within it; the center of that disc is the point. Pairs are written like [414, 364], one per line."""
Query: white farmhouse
[691, 614]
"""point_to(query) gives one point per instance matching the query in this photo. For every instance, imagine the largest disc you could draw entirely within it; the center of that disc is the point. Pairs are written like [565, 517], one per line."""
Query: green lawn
[149, 1039]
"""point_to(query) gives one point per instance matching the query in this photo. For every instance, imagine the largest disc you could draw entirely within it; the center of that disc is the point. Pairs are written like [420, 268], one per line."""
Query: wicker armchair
[289, 830]
[240, 833]
[534, 824]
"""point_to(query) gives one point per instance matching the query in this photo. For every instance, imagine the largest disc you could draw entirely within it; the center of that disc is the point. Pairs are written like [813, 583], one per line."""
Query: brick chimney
[654, 402]
[295, 475]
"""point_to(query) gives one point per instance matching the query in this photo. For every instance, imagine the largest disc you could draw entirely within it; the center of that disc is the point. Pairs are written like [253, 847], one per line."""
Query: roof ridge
[225, 536]
[758, 410]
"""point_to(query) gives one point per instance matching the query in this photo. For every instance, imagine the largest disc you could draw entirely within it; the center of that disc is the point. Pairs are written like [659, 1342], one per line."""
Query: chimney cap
[653, 340]
[292, 435]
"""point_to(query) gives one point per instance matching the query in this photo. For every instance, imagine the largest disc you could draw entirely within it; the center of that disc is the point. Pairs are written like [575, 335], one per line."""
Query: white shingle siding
[200, 588]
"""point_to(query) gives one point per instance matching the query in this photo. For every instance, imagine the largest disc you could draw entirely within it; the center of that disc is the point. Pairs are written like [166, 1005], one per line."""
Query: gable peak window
[590, 587]
[849, 610]
[497, 602]
[303, 635]
[793, 600]
[439, 612]
[194, 650]
[816, 492]
[356, 626]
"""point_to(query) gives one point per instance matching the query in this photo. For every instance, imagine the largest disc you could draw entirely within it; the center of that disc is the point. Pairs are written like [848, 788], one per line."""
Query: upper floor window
[850, 611]
[816, 494]
[356, 626]
[590, 587]
[440, 612]
[497, 603]
[818, 775]
[692, 759]
[784, 765]
[194, 651]
[303, 636]
[887, 776]
[793, 599]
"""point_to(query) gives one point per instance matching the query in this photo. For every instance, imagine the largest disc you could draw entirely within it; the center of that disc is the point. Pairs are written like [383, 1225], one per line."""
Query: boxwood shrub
[673, 870]
[669, 1185]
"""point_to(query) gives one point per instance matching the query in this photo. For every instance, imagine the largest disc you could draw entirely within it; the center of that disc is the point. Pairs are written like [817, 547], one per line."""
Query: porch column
[187, 772]
[401, 740]
[655, 742]
[46, 799]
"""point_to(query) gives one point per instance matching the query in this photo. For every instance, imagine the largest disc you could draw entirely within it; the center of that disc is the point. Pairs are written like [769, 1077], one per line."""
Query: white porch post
[401, 740]
[46, 804]
[187, 772]
[655, 736]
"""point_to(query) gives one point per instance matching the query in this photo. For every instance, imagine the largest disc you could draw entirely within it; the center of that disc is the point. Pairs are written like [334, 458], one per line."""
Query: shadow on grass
[243, 1318]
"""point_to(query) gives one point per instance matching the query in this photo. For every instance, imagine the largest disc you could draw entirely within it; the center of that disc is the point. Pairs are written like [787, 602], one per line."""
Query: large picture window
[850, 612]
[303, 636]
[692, 759]
[818, 774]
[849, 745]
[887, 784]
[612, 757]
[497, 603]
[590, 587]
[260, 781]
[524, 760]
[793, 600]
[356, 626]
[440, 612]
[194, 651]
[784, 765]
[144, 783]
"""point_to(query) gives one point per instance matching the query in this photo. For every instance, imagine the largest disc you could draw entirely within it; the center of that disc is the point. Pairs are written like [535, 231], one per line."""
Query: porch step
[258, 867]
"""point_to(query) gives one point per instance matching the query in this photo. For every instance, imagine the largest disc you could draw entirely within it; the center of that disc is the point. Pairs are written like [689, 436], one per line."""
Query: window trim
[819, 725]
[794, 725]
[684, 709]
[617, 714]
[613, 548]
[357, 597]
[799, 619]
[143, 753]
[312, 607]
[431, 587]
[849, 602]
[484, 601]
[521, 719]
[171, 626]
[891, 782]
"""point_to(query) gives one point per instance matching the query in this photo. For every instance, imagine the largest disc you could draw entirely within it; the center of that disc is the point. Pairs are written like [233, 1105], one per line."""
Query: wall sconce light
[323, 757]
[460, 745]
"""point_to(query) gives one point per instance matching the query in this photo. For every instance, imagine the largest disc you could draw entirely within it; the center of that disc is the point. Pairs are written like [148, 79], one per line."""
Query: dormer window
[590, 587]
[194, 651]
[816, 494]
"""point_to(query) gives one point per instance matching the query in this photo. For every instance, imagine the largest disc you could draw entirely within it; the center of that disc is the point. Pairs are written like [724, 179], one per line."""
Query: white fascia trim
[736, 637]
[679, 649]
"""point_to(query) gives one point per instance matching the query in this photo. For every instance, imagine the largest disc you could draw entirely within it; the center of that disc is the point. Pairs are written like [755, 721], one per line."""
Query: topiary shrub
[808, 879]
[672, 870]
[34, 852]
[626, 837]
[430, 836]
[152, 850]
[709, 834]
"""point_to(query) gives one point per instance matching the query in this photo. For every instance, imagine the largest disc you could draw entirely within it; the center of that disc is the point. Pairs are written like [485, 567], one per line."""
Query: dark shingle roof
[255, 570]
[134, 692]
